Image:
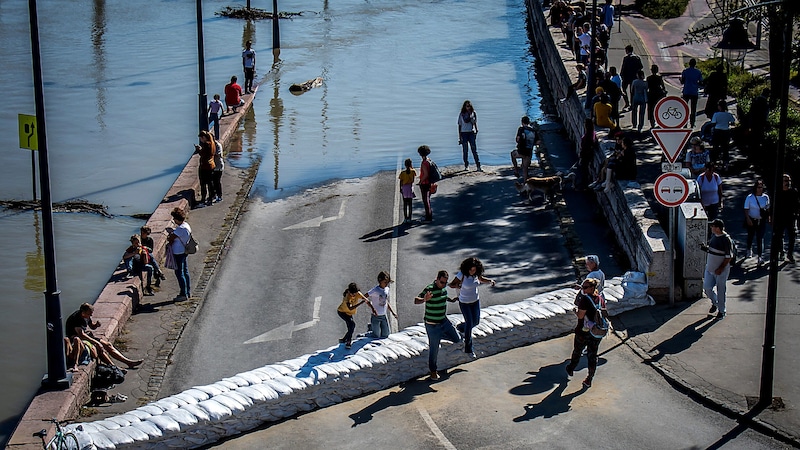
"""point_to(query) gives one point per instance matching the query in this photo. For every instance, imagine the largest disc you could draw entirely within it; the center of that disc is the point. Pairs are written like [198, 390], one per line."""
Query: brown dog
[548, 186]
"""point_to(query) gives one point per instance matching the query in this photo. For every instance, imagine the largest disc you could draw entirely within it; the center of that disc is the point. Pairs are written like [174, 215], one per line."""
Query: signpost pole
[672, 256]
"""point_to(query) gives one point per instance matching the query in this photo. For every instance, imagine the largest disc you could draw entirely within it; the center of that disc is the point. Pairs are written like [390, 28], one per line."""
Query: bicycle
[61, 441]
[672, 111]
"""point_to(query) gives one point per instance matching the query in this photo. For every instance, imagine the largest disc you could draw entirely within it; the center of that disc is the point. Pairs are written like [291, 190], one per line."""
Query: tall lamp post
[735, 43]
[57, 377]
[201, 63]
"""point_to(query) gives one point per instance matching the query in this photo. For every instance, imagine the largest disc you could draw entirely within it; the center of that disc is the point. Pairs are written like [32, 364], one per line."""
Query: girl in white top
[756, 216]
[468, 278]
[379, 299]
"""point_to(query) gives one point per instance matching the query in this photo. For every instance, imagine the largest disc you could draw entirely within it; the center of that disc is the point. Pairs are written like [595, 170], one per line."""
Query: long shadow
[555, 402]
[683, 339]
[408, 391]
[646, 320]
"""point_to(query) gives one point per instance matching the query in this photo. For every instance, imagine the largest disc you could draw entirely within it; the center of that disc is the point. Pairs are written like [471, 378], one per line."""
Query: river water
[121, 95]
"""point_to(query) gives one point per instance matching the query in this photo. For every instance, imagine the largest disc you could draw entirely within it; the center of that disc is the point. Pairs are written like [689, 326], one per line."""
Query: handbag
[191, 246]
[434, 188]
[169, 260]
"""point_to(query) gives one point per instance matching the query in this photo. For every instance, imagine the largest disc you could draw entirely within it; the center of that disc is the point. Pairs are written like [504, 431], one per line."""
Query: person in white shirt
[468, 278]
[756, 216]
[249, 66]
[379, 299]
[721, 140]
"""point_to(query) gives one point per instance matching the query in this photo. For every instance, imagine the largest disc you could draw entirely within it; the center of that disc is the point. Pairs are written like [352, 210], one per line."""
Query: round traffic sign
[671, 112]
[671, 189]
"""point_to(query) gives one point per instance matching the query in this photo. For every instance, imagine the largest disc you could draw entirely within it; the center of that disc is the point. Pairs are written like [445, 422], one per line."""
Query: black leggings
[592, 344]
[407, 208]
[351, 326]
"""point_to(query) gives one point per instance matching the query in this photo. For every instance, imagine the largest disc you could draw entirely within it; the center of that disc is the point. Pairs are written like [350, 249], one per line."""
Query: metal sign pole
[672, 256]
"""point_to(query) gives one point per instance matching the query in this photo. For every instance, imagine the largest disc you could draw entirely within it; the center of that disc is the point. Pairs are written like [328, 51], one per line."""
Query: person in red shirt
[233, 95]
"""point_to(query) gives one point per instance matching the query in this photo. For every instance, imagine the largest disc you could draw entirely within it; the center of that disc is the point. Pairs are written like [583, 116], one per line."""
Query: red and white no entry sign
[671, 112]
[671, 189]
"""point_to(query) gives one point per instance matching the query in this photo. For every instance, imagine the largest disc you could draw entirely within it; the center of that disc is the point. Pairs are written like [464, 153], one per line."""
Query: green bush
[662, 9]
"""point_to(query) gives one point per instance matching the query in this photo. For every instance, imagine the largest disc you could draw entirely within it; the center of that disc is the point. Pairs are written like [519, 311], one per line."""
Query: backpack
[527, 141]
[434, 175]
[106, 376]
[599, 323]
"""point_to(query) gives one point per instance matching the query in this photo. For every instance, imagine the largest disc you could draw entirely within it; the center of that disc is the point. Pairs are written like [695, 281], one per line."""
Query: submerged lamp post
[202, 98]
[734, 43]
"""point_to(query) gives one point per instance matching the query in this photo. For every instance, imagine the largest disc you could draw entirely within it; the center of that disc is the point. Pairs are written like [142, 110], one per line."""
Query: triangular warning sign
[671, 140]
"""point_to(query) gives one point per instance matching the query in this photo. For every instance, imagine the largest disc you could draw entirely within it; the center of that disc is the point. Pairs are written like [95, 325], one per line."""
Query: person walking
[756, 216]
[710, 184]
[178, 239]
[347, 309]
[467, 280]
[718, 267]
[216, 175]
[425, 182]
[207, 151]
[656, 90]
[467, 132]
[639, 100]
[691, 79]
[248, 66]
[407, 178]
[631, 65]
[586, 154]
[588, 301]
[214, 114]
[716, 88]
[379, 299]
[721, 140]
[437, 325]
[526, 139]
[785, 217]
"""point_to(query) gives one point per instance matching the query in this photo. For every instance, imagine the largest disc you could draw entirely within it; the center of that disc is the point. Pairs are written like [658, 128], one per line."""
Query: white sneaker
[749, 254]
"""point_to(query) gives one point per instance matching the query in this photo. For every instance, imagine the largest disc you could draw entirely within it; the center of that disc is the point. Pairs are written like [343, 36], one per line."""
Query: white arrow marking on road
[662, 47]
[285, 331]
[317, 221]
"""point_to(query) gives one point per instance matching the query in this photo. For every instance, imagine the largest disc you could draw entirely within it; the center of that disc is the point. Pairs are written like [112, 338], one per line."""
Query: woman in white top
[721, 139]
[379, 299]
[710, 185]
[467, 132]
[756, 216]
[178, 239]
[468, 278]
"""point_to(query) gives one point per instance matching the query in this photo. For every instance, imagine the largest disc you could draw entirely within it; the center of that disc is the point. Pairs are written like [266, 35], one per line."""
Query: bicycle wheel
[66, 441]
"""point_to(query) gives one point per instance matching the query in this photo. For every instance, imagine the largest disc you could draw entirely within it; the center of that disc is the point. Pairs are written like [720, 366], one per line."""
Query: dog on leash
[547, 186]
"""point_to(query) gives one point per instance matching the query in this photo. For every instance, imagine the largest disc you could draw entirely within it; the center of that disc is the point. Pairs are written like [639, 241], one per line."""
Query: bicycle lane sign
[672, 112]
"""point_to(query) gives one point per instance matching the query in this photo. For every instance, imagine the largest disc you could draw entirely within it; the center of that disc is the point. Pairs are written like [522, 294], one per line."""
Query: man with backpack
[718, 267]
[526, 139]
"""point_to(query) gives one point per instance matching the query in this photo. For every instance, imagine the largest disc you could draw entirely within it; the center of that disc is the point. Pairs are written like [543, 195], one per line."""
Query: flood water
[121, 101]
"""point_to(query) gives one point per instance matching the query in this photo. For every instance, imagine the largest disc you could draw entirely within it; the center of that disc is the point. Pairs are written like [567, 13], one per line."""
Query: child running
[406, 189]
[347, 310]
[379, 300]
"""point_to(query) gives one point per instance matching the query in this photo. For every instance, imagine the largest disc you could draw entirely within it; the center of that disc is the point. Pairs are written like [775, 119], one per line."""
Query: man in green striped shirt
[437, 325]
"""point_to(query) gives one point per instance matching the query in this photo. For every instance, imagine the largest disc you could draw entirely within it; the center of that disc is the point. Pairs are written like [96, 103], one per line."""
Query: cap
[593, 258]
[718, 223]
[696, 141]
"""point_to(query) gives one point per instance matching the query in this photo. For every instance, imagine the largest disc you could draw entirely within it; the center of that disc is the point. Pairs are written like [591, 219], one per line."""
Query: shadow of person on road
[646, 320]
[554, 404]
[682, 340]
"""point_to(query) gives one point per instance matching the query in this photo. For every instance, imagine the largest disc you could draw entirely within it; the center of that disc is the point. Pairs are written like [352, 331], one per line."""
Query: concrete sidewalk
[717, 361]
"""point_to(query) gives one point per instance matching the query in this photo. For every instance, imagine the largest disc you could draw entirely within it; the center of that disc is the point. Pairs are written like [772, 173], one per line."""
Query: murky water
[121, 95]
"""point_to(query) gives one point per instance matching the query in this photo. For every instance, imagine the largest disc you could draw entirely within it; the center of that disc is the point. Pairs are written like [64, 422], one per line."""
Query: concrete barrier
[202, 415]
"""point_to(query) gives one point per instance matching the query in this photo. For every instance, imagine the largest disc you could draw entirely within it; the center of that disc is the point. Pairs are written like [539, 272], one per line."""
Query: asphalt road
[275, 296]
[520, 399]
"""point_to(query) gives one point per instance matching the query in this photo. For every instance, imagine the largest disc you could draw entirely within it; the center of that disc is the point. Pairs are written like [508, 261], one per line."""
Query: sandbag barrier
[205, 414]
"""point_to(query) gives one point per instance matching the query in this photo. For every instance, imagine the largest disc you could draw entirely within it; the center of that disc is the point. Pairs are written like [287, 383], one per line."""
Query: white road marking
[285, 331]
[317, 221]
[435, 429]
[664, 51]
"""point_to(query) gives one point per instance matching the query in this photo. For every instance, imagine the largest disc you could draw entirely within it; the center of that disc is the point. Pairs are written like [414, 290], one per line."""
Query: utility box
[692, 228]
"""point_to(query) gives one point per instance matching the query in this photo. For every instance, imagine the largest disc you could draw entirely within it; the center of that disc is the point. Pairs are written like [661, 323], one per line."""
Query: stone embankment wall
[205, 414]
[629, 216]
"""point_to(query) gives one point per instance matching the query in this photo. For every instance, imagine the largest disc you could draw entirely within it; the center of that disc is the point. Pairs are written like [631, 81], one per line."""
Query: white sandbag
[107, 424]
[148, 428]
[183, 417]
[232, 403]
[197, 394]
[279, 387]
[251, 378]
[165, 403]
[166, 423]
[216, 410]
[239, 380]
[198, 412]
[212, 389]
[269, 392]
[135, 433]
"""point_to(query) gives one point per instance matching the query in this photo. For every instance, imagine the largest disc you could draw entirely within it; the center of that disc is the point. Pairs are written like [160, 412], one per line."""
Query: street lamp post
[735, 43]
[201, 65]
[57, 377]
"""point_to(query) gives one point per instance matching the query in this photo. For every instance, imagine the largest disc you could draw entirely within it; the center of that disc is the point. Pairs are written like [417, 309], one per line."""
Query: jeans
[712, 280]
[206, 185]
[140, 270]
[472, 317]
[758, 229]
[425, 189]
[592, 344]
[214, 118]
[437, 331]
[351, 326]
[217, 181]
[380, 326]
[468, 140]
[182, 274]
[637, 114]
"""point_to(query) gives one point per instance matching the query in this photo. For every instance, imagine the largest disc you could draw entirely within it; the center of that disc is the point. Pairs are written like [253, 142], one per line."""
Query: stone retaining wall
[627, 210]
[205, 414]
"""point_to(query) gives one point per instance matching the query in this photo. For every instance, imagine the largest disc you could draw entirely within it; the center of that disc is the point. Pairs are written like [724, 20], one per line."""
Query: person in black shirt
[785, 217]
[588, 301]
[80, 325]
